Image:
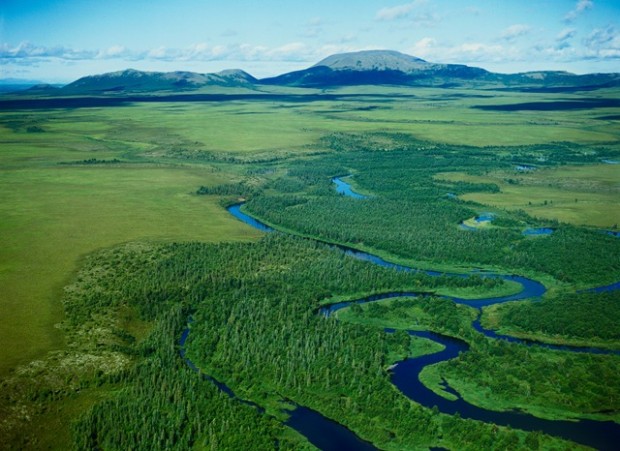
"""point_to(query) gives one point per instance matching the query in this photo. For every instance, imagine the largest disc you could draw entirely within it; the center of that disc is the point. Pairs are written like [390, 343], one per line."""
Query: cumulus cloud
[398, 11]
[515, 31]
[479, 51]
[467, 52]
[566, 34]
[25, 50]
[603, 43]
[424, 47]
[291, 52]
[116, 51]
[580, 7]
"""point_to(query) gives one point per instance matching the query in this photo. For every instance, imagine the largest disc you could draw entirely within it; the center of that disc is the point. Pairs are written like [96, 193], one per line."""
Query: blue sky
[61, 40]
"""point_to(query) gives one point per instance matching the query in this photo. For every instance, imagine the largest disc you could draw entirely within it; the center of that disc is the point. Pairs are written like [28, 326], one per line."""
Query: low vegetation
[582, 318]
[124, 207]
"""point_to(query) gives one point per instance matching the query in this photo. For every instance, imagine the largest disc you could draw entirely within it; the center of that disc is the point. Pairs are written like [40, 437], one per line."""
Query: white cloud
[479, 51]
[464, 53]
[565, 34]
[603, 43]
[27, 50]
[398, 11]
[514, 31]
[116, 51]
[158, 53]
[291, 52]
[424, 47]
[580, 7]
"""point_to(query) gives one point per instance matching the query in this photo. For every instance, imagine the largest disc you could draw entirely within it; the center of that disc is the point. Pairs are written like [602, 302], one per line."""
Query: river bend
[405, 375]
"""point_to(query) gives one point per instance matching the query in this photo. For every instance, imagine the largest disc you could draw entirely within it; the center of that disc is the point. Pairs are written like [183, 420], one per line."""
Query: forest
[252, 312]
[409, 213]
[155, 319]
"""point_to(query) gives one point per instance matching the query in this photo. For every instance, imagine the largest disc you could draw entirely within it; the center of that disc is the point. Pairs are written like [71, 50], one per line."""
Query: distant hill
[395, 68]
[19, 81]
[20, 84]
[134, 81]
[377, 67]
[371, 67]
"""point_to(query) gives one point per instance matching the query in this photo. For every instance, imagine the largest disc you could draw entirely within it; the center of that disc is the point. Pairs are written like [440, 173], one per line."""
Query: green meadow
[153, 156]
[581, 195]
[53, 214]
[80, 182]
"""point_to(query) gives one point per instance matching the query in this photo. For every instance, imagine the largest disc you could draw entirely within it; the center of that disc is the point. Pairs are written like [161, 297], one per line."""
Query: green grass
[54, 214]
[507, 288]
[580, 195]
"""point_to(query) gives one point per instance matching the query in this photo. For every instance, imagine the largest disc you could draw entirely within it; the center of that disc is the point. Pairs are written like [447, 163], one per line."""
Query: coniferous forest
[347, 267]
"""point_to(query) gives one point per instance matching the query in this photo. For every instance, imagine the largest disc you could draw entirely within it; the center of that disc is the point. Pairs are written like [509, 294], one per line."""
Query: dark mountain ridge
[131, 80]
[377, 67]
[370, 67]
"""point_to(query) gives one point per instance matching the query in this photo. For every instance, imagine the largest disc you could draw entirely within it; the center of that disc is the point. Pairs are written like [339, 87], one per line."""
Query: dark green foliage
[410, 215]
[92, 161]
[238, 189]
[165, 405]
[255, 326]
[538, 377]
[584, 315]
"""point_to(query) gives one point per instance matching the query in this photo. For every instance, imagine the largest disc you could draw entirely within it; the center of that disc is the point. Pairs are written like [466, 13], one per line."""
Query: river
[405, 375]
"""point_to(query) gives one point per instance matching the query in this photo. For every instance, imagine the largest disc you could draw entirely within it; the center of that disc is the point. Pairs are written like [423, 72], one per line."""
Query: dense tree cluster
[410, 215]
[255, 326]
[555, 382]
[586, 316]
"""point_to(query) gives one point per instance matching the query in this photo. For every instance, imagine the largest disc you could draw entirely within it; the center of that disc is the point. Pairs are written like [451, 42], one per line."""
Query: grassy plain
[59, 205]
[581, 195]
[54, 214]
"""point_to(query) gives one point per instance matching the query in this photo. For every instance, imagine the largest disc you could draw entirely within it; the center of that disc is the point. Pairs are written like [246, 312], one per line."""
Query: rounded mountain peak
[374, 60]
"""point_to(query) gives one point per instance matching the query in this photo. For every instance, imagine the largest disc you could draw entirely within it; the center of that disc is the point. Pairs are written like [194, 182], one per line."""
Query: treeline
[255, 327]
[585, 316]
[501, 375]
[550, 154]
[504, 375]
[243, 189]
[90, 161]
[164, 405]
[411, 216]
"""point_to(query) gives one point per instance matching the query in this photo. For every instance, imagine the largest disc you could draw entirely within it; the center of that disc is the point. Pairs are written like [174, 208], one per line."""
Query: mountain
[377, 67]
[10, 85]
[134, 81]
[388, 67]
[19, 81]
[370, 67]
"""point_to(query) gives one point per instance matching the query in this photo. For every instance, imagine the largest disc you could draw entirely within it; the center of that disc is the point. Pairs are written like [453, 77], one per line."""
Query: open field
[78, 180]
[54, 214]
[52, 217]
[580, 195]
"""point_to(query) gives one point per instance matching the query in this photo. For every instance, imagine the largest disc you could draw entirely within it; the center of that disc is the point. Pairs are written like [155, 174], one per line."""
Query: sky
[61, 40]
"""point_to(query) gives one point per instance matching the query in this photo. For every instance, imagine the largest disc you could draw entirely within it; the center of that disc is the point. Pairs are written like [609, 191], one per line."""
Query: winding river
[322, 432]
[326, 434]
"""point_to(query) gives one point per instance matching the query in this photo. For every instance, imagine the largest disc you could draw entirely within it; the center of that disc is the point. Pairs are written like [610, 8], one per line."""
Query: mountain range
[371, 67]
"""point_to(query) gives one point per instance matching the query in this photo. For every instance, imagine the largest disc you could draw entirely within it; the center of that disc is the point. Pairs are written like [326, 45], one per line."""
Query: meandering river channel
[326, 434]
